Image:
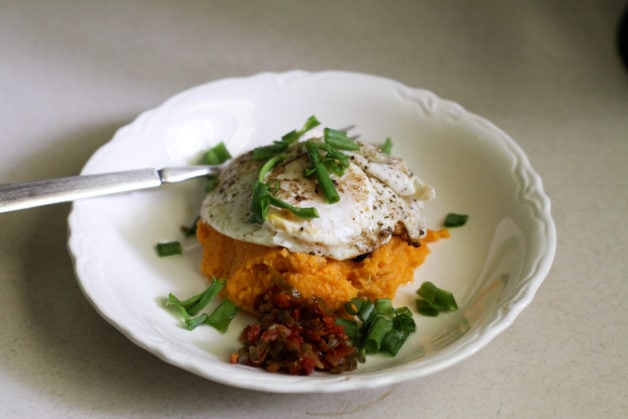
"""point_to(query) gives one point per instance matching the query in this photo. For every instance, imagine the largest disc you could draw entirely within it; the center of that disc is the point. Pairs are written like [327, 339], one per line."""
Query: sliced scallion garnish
[293, 136]
[262, 197]
[381, 326]
[366, 310]
[171, 248]
[426, 309]
[455, 220]
[331, 160]
[299, 212]
[193, 304]
[335, 160]
[387, 146]
[222, 315]
[278, 147]
[393, 341]
[190, 230]
[378, 326]
[322, 174]
[353, 307]
[404, 322]
[217, 154]
[339, 139]
[260, 203]
[193, 322]
[268, 151]
[384, 306]
[174, 302]
[433, 300]
[207, 296]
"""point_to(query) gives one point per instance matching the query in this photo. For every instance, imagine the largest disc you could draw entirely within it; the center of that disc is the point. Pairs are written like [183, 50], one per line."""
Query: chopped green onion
[384, 306]
[322, 175]
[278, 147]
[379, 327]
[299, 212]
[335, 161]
[353, 307]
[393, 341]
[260, 203]
[428, 291]
[404, 323]
[376, 334]
[387, 146]
[217, 154]
[294, 135]
[339, 139]
[403, 311]
[267, 167]
[195, 303]
[190, 231]
[220, 318]
[173, 301]
[169, 248]
[208, 295]
[222, 315]
[269, 151]
[426, 309]
[455, 220]
[434, 300]
[440, 299]
[366, 310]
[262, 198]
[193, 322]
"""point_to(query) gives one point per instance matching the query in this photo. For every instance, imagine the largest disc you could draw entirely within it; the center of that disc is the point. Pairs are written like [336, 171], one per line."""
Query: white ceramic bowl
[493, 265]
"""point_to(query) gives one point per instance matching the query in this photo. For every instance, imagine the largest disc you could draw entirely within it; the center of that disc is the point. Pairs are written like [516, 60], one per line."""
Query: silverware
[17, 196]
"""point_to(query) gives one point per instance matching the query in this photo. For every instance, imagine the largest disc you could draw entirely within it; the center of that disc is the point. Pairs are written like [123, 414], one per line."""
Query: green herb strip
[455, 220]
[377, 326]
[387, 146]
[433, 300]
[169, 248]
[262, 197]
[322, 174]
[221, 316]
[278, 147]
[190, 230]
[332, 160]
[339, 140]
[217, 154]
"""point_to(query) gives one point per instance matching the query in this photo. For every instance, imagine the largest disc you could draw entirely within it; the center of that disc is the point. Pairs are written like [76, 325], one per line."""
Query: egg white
[379, 197]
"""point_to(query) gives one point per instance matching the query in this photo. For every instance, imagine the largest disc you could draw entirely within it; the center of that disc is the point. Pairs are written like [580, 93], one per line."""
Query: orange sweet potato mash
[251, 270]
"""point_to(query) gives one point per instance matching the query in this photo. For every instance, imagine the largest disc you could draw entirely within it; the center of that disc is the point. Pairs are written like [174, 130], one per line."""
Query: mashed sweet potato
[251, 269]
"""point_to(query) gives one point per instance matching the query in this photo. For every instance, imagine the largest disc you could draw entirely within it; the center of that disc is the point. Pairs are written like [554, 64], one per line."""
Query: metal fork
[17, 196]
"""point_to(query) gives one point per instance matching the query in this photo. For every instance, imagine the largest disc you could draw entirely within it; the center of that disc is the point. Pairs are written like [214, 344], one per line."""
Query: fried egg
[379, 198]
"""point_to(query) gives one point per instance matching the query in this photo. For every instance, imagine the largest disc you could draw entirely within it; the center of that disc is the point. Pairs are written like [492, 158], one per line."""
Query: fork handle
[17, 196]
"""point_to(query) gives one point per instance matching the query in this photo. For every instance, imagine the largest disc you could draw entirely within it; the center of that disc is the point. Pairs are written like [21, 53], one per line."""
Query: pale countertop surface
[547, 73]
